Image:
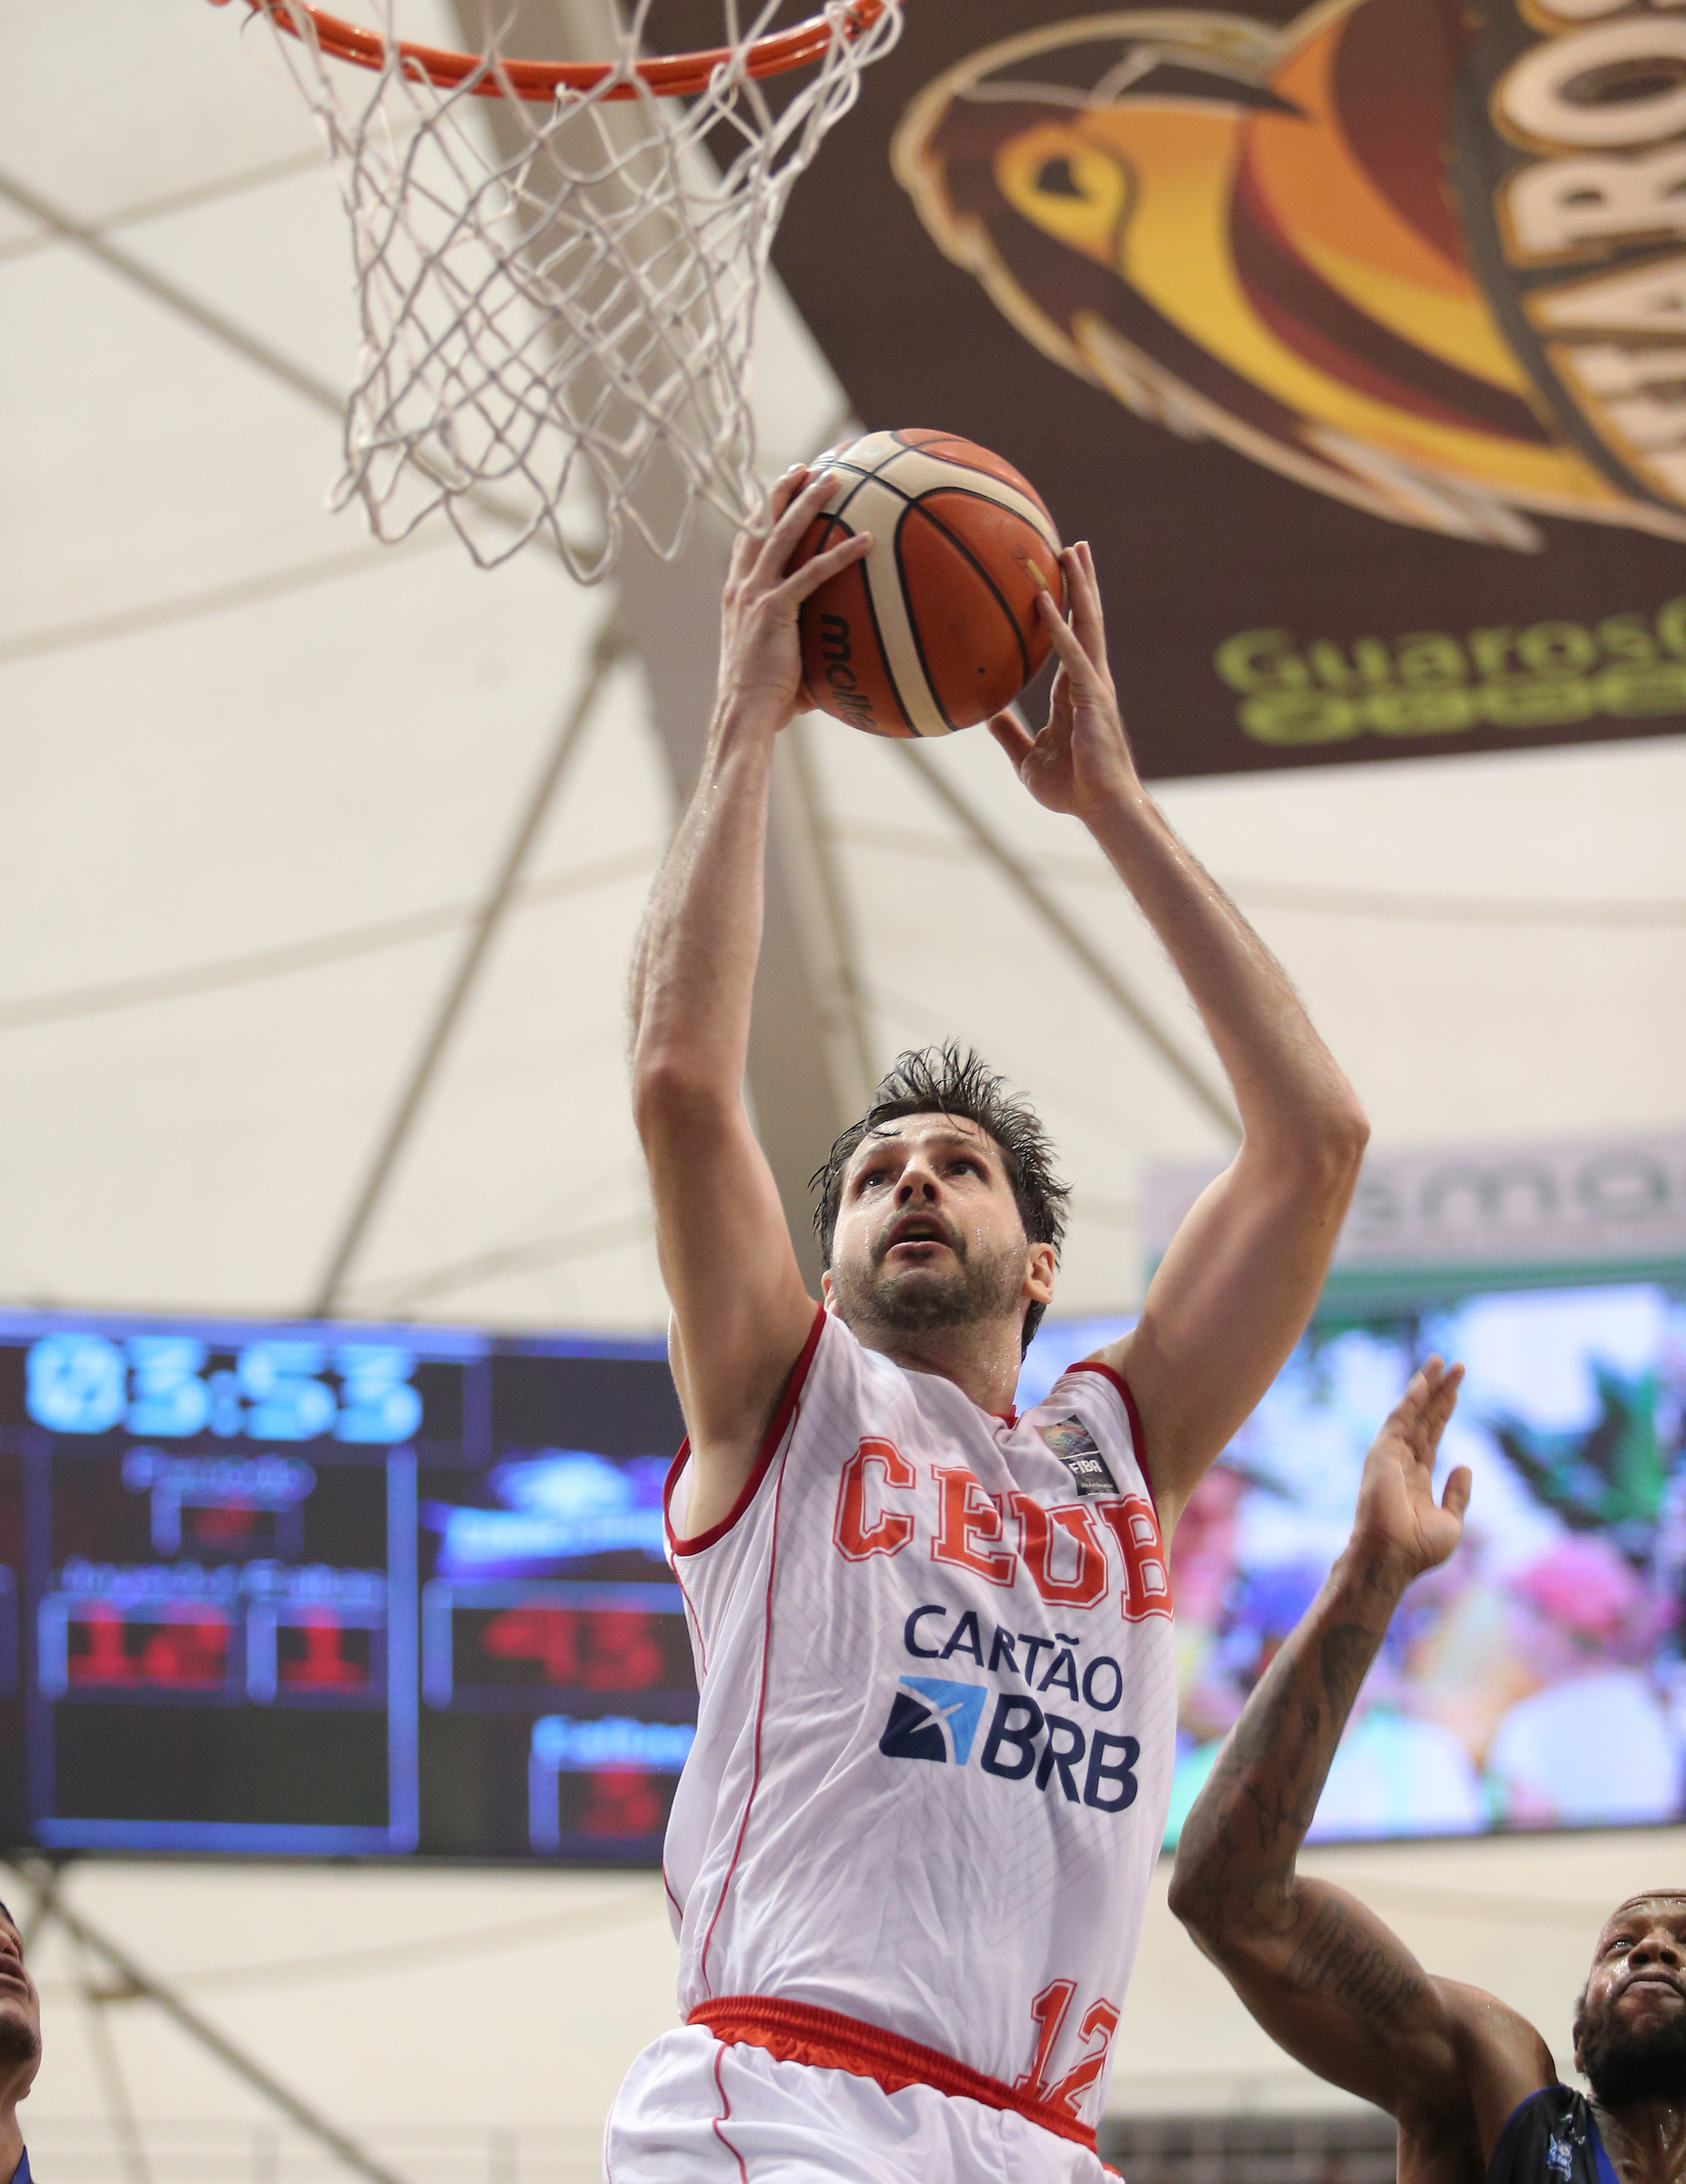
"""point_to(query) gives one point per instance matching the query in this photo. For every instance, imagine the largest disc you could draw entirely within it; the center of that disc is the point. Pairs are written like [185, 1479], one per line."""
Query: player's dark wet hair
[942, 1080]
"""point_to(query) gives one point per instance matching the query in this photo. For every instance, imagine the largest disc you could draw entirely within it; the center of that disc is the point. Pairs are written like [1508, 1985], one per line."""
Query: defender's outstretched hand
[760, 650]
[1081, 760]
[1397, 1517]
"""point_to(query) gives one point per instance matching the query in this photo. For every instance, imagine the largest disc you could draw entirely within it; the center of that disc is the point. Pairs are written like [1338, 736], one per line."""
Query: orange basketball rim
[678, 75]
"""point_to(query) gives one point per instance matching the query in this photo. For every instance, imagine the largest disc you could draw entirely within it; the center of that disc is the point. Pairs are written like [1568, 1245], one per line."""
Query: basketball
[937, 628]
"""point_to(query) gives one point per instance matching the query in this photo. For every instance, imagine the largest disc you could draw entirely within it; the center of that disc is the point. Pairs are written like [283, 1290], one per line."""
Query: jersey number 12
[1050, 2010]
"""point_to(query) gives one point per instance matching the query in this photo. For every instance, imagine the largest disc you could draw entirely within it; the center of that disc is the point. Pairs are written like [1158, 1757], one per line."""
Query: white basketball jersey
[937, 1717]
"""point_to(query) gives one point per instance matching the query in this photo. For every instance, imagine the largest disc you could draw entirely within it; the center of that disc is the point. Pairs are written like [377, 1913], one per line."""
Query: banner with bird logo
[1354, 339]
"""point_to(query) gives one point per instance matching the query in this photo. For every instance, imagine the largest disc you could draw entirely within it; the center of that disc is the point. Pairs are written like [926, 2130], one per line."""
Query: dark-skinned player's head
[941, 1207]
[1630, 2019]
[20, 2015]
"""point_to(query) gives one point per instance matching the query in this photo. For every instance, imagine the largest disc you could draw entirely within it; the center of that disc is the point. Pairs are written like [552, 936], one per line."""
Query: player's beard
[20, 2037]
[885, 1301]
[1624, 2066]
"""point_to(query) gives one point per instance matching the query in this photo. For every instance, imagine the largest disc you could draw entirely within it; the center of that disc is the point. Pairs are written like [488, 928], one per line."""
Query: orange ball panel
[971, 568]
[967, 455]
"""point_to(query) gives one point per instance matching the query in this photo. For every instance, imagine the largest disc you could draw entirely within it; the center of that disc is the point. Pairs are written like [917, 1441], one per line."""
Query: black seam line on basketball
[967, 492]
[960, 546]
[913, 499]
[869, 473]
[883, 652]
[834, 516]
[867, 476]
[976, 469]
[875, 476]
[912, 623]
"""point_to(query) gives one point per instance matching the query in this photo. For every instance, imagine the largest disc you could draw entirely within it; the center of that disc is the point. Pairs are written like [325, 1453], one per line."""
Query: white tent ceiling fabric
[258, 772]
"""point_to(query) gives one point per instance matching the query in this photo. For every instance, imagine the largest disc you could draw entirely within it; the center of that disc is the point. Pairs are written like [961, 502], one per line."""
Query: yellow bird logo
[1354, 249]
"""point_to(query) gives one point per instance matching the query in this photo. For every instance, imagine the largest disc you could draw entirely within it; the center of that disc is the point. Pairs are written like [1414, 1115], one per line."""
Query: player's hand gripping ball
[937, 628]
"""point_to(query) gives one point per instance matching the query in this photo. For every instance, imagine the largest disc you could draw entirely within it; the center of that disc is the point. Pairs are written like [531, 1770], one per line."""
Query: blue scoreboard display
[329, 1590]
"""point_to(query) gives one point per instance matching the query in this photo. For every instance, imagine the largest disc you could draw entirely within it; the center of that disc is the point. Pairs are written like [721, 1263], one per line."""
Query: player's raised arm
[1320, 1972]
[739, 1310]
[1235, 1291]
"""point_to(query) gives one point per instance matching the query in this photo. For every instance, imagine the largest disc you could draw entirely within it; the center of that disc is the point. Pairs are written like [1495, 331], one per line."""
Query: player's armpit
[1503, 2057]
[1227, 1303]
[1445, 2150]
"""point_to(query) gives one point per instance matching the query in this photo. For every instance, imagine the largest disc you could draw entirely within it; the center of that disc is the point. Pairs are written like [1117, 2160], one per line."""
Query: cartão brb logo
[933, 1718]
[1427, 258]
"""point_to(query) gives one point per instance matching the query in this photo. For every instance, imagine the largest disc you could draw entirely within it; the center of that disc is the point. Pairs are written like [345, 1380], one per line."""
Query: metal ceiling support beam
[809, 850]
[45, 1881]
[108, 2069]
[1187, 1071]
[116, 260]
[264, 354]
[609, 650]
[808, 1072]
[135, 1984]
[807, 1079]
[802, 1086]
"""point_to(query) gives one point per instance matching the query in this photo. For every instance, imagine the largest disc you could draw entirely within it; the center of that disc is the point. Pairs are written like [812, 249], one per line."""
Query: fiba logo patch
[1073, 1443]
[933, 1718]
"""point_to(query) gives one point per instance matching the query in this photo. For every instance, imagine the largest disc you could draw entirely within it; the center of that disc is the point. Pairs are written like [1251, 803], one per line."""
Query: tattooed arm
[1320, 1972]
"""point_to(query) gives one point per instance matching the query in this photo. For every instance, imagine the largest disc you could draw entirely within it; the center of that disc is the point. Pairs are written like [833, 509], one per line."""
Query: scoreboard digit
[305, 1590]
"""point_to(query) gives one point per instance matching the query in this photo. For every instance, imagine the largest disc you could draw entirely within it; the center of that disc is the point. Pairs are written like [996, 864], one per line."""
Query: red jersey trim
[761, 1711]
[725, 2117]
[694, 1621]
[794, 2032]
[758, 1470]
[1138, 1439]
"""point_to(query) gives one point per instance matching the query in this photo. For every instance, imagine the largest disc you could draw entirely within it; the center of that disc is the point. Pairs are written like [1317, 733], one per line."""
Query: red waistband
[793, 2032]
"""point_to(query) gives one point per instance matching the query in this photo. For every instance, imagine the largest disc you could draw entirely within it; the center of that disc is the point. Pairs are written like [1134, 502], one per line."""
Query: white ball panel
[880, 510]
[870, 449]
[915, 471]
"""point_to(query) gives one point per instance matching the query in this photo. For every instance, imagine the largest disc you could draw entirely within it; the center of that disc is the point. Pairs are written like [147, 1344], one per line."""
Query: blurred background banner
[1601, 1204]
[1537, 1680]
[1361, 377]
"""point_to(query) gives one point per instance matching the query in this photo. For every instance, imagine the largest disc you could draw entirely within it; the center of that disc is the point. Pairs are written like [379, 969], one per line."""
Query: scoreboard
[335, 1590]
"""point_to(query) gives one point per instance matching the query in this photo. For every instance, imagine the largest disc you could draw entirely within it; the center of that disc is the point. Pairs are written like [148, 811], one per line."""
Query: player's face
[1630, 2037]
[20, 2014]
[928, 1231]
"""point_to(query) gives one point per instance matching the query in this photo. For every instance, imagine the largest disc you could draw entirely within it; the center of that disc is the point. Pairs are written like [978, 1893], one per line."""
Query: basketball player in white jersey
[908, 1855]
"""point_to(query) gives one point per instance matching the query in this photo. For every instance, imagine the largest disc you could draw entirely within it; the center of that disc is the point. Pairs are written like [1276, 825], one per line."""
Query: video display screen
[1536, 1679]
[336, 1591]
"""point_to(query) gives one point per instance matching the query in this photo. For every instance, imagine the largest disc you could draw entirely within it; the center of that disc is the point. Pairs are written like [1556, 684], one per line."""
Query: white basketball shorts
[695, 2111]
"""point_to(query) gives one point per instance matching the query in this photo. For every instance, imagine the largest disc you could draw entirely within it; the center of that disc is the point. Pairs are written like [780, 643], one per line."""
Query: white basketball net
[558, 300]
